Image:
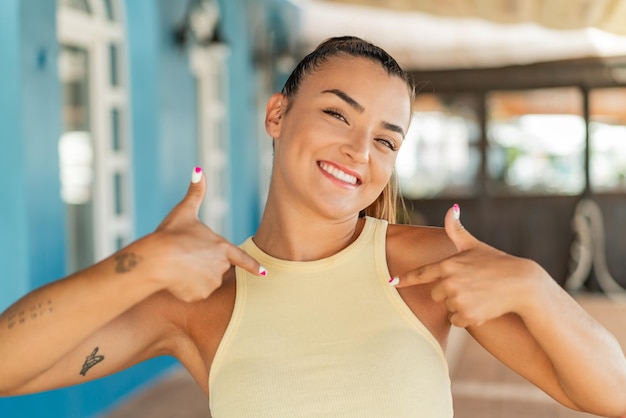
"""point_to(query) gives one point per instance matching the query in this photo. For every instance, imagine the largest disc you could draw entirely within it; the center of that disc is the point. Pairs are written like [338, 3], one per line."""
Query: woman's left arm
[513, 308]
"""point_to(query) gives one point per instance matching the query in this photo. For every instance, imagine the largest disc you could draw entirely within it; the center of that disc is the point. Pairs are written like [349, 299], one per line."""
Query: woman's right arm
[113, 314]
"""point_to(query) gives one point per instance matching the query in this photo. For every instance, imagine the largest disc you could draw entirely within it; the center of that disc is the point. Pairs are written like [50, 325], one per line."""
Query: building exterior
[105, 108]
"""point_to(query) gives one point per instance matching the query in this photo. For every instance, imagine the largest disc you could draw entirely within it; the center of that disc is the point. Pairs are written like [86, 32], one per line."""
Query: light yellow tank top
[327, 338]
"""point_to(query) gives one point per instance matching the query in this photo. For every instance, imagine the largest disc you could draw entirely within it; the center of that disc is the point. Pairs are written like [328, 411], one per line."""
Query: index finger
[427, 273]
[239, 257]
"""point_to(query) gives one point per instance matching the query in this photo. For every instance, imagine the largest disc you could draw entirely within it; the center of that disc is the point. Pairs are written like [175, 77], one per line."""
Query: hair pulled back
[386, 204]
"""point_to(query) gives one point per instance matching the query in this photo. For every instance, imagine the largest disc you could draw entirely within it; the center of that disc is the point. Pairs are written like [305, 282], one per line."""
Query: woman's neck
[300, 237]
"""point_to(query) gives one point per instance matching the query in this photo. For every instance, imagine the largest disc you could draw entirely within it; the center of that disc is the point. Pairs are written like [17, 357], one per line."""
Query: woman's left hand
[551, 341]
[478, 283]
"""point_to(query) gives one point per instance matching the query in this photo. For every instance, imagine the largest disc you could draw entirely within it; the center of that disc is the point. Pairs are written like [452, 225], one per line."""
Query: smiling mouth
[338, 174]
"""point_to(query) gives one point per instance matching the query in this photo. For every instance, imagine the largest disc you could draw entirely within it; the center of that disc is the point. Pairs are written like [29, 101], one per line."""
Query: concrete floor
[481, 386]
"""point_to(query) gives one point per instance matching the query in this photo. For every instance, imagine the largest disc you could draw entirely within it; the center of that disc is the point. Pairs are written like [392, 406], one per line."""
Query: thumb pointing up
[188, 208]
[196, 191]
[462, 241]
[457, 233]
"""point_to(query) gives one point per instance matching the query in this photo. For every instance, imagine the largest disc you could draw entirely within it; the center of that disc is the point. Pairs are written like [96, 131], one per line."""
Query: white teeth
[338, 174]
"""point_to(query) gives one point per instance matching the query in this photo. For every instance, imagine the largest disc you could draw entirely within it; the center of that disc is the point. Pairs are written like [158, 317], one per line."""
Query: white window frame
[209, 67]
[95, 33]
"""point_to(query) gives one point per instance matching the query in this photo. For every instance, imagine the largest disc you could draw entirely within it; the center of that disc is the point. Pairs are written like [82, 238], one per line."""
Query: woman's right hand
[115, 308]
[186, 256]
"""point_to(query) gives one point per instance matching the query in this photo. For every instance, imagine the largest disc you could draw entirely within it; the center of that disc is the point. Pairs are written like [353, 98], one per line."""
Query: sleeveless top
[327, 338]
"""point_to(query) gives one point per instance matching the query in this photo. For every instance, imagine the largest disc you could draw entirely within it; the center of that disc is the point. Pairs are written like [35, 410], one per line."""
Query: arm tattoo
[125, 262]
[21, 315]
[91, 360]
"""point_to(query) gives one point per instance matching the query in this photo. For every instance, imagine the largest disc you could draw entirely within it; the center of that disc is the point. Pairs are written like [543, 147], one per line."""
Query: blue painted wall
[163, 107]
[163, 110]
[143, 61]
[13, 228]
[244, 161]
[32, 215]
[41, 128]
[178, 108]
[32, 243]
[246, 22]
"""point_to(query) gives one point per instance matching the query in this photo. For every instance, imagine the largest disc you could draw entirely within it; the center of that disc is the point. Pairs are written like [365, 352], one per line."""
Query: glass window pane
[82, 5]
[118, 185]
[74, 74]
[76, 156]
[116, 135]
[536, 141]
[75, 145]
[119, 242]
[110, 11]
[113, 65]
[607, 131]
[440, 154]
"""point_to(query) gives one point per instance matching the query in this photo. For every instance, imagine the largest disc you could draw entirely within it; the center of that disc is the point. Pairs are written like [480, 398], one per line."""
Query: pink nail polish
[456, 210]
[196, 176]
[394, 281]
[262, 271]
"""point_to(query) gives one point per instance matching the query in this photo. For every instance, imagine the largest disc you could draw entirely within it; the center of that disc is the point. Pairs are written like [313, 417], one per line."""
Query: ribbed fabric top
[327, 338]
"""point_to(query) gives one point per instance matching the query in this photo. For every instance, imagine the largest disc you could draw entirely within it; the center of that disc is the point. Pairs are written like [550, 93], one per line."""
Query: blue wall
[244, 161]
[246, 22]
[13, 229]
[32, 215]
[32, 243]
[163, 107]
[41, 128]
[143, 61]
[164, 123]
[177, 108]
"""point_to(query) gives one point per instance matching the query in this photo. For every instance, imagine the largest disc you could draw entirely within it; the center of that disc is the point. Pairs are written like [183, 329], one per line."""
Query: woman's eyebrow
[346, 98]
[359, 107]
[393, 127]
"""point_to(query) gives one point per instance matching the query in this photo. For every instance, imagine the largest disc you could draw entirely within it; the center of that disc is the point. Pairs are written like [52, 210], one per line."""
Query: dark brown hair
[386, 204]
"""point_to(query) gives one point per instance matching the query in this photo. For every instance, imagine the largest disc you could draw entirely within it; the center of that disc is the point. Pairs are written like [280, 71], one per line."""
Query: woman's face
[336, 147]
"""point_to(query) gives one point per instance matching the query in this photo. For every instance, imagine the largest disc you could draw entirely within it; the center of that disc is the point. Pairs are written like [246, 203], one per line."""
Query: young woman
[330, 309]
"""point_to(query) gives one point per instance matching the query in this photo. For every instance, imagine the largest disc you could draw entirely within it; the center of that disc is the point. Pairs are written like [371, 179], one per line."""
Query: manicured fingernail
[456, 211]
[394, 281]
[262, 271]
[196, 176]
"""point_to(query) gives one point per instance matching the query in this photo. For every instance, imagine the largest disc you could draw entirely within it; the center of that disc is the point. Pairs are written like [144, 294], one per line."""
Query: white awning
[422, 40]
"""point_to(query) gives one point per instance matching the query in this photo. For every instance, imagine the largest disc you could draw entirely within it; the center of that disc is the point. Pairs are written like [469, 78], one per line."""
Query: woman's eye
[389, 144]
[335, 114]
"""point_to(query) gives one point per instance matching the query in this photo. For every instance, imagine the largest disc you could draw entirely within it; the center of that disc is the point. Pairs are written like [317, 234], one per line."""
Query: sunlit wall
[163, 126]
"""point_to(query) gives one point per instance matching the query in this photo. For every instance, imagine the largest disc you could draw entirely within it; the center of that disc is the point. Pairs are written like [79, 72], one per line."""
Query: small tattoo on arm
[125, 262]
[91, 360]
[21, 315]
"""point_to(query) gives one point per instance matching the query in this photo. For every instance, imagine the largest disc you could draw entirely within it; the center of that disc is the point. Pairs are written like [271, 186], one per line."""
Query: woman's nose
[357, 148]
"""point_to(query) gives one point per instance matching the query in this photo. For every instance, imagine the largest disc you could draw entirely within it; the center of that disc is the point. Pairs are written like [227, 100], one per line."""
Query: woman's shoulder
[410, 246]
[418, 235]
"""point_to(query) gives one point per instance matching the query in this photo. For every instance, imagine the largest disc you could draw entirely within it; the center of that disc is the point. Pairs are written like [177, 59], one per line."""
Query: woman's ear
[276, 106]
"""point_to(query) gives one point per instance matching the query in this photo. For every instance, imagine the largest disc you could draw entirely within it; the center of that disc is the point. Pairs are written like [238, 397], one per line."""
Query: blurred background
[107, 105]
